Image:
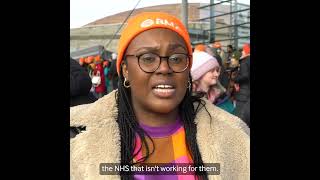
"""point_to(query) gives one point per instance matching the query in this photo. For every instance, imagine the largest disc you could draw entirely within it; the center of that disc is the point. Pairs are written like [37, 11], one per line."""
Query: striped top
[169, 147]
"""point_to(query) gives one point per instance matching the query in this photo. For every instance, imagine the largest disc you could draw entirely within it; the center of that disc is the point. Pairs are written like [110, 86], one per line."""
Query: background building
[102, 31]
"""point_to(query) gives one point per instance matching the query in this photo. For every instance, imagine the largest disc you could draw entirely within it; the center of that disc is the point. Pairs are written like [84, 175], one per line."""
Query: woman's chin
[213, 82]
[163, 107]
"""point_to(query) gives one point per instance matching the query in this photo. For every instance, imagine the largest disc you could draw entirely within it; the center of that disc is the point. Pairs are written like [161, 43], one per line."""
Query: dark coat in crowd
[113, 74]
[224, 77]
[80, 85]
[243, 96]
[217, 56]
[245, 113]
[243, 79]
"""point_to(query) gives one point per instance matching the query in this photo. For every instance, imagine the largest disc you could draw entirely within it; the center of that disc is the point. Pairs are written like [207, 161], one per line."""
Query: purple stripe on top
[162, 131]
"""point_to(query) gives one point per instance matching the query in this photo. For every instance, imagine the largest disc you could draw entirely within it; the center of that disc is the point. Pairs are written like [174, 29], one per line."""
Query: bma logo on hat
[166, 23]
[147, 23]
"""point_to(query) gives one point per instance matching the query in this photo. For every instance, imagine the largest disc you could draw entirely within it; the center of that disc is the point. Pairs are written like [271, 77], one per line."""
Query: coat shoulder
[219, 118]
[94, 114]
[224, 138]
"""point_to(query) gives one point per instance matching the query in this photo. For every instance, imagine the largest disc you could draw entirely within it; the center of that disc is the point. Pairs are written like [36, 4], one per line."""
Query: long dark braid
[129, 127]
[188, 112]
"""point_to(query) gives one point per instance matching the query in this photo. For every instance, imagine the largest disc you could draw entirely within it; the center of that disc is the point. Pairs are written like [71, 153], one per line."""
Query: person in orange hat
[98, 70]
[218, 50]
[80, 85]
[242, 86]
[245, 51]
[100, 89]
[153, 117]
[97, 59]
[217, 45]
[81, 61]
[89, 59]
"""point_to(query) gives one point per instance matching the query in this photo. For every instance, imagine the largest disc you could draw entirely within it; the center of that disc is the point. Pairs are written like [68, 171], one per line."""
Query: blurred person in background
[80, 85]
[205, 74]
[113, 75]
[242, 86]
[100, 88]
[106, 66]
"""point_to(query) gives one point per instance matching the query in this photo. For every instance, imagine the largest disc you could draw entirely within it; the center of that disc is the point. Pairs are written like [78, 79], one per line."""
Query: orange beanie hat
[200, 47]
[216, 45]
[97, 58]
[150, 20]
[246, 48]
[81, 60]
[90, 59]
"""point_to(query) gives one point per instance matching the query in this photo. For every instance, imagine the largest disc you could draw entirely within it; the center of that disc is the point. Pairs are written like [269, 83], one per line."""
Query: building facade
[103, 31]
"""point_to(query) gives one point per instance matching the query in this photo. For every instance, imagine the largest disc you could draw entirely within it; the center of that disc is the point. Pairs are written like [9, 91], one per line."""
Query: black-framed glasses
[150, 62]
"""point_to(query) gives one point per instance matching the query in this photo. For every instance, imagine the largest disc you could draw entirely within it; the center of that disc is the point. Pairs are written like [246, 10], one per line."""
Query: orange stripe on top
[180, 146]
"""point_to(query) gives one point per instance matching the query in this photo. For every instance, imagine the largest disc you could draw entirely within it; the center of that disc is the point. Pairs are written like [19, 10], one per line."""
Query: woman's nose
[164, 67]
[216, 73]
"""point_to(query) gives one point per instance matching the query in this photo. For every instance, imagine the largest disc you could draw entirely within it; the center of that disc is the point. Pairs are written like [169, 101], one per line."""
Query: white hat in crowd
[202, 63]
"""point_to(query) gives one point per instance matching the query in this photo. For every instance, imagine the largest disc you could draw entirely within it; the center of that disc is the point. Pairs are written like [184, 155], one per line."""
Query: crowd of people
[172, 104]
[222, 77]
[93, 76]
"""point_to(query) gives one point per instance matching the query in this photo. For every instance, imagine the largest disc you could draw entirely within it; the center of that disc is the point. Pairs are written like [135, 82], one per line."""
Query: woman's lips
[163, 91]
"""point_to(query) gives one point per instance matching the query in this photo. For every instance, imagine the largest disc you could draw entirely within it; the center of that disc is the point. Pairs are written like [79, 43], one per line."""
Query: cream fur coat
[225, 141]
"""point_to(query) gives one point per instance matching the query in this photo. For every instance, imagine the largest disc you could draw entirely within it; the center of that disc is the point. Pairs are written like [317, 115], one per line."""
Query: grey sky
[85, 11]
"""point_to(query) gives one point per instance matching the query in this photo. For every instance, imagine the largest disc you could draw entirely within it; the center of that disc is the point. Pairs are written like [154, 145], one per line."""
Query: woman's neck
[154, 119]
[203, 87]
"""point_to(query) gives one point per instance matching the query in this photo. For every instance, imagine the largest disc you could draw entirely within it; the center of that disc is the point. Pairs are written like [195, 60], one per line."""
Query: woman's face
[163, 90]
[211, 77]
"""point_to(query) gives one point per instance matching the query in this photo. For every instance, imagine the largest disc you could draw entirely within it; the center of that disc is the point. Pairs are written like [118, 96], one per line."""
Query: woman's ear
[124, 69]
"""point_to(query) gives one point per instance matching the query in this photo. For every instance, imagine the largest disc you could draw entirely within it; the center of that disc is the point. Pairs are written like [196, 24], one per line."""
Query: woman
[152, 117]
[205, 75]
